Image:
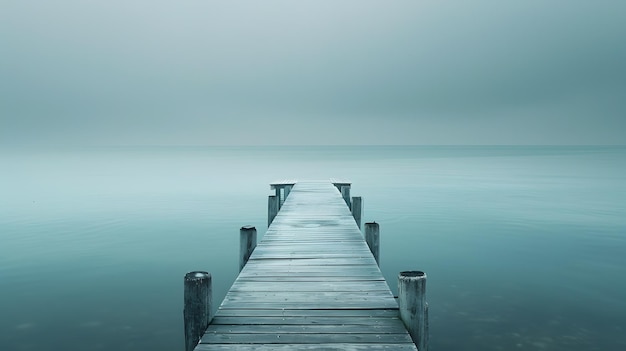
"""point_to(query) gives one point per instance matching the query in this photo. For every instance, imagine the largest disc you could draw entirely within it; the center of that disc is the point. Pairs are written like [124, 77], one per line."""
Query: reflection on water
[523, 245]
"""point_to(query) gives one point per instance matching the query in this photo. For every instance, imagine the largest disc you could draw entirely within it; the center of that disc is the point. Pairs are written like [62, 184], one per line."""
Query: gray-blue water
[525, 247]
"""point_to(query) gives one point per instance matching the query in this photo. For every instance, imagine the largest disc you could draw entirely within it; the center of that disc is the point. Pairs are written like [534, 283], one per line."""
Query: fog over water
[312, 72]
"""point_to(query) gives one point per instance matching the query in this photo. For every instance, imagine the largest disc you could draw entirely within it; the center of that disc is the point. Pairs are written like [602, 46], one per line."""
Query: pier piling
[357, 209]
[345, 193]
[372, 237]
[272, 208]
[197, 310]
[247, 243]
[287, 191]
[413, 307]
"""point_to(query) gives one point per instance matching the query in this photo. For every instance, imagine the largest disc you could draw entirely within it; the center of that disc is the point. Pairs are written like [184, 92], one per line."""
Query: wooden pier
[312, 283]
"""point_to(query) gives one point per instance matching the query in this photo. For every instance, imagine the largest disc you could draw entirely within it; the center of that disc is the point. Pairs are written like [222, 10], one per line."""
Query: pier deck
[310, 284]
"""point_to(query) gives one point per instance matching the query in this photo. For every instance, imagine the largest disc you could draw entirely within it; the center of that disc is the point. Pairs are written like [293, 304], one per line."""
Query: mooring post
[372, 238]
[345, 193]
[413, 307]
[279, 196]
[272, 208]
[357, 209]
[247, 243]
[197, 310]
[287, 191]
[426, 332]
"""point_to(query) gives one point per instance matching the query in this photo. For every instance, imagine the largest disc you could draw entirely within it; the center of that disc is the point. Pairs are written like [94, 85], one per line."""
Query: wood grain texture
[325, 347]
[310, 284]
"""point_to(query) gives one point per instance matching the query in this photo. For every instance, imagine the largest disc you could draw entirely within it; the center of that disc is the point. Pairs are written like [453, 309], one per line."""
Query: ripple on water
[25, 326]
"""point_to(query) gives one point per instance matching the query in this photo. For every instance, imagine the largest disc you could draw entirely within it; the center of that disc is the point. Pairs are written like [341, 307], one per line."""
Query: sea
[524, 246]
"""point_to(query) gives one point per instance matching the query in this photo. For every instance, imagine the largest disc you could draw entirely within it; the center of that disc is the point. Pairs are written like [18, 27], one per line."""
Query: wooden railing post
[345, 193]
[413, 307]
[247, 243]
[287, 191]
[279, 196]
[272, 208]
[357, 209]
[197, 309]
[372, 238]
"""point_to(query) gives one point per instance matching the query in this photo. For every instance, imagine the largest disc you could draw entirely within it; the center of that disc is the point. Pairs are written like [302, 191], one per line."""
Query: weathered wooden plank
[283, 182]
[310, 277]
[312, 286]
[319, 278]
[331, 239]
[338, 246]
[338, 304]
[288, 255]
[309, 328]
[360, 303]
[342, 250]
[320, 270]
[304, 347]
[318, 261]
[287, 338]
[318, 296]
[285, 312]
[262, 267]
[310, 320]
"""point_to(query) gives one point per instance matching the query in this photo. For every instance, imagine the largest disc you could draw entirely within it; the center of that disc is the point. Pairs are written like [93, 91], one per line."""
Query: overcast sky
[207, 72]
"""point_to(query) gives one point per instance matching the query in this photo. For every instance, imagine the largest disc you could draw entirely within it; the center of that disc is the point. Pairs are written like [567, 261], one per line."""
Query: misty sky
[207, 72]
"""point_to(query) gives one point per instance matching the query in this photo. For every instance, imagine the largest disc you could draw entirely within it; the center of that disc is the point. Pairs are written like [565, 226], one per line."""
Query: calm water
[525, 247]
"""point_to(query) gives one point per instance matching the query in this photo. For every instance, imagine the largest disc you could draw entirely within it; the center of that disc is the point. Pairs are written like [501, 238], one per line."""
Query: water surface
[523, 246]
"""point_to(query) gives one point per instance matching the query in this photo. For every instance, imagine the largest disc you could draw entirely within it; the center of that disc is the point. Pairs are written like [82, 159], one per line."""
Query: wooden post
[287, 190]
[372, 238]
[413, 307]
[272, 208]
[278, 196]
[197, 310]
[345, 193]
[426, 332]
[357, 209]
[247, 243]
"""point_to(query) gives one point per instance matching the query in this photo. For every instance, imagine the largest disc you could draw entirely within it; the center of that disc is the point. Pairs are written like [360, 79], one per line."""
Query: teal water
[525, 247]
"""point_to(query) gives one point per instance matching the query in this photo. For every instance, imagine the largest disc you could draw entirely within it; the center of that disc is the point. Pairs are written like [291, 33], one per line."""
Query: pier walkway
[310, 284]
